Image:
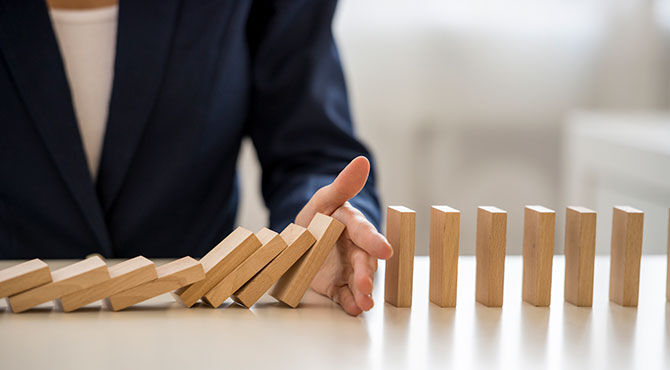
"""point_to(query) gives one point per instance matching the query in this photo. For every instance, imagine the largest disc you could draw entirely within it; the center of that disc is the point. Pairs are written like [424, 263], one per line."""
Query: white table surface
[162, 334]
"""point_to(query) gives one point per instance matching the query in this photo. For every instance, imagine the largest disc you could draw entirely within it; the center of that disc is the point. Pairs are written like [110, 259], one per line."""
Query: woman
[122, 124]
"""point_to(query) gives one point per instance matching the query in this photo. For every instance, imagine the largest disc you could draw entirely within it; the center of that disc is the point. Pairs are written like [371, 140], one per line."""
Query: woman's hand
[347, 275]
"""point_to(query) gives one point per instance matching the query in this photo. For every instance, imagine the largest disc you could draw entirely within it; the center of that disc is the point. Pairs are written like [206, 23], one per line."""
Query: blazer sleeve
[299, 119]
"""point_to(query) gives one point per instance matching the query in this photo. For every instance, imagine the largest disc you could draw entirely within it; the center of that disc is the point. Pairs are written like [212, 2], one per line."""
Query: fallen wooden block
[580, 252]
[398, 279]
[218, 263]
[24, 276]
[627, 225]
[444, 233]
[538, 254]
[292, 286]
[123, 276]
[490, 255]
[66, 280]
[299, 239]
[272, 245]
[171, 276]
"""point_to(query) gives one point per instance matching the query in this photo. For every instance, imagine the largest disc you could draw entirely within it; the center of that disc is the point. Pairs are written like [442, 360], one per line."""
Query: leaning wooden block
[124, 275]
[67, 280]
[24, 276]
[292, 286]
[490, 255]
[580, 248]
[538, 254]
[272, 245]
[627, 224]
[299, 239]
[400, 232]
[219, 262]
[171, 276]
[444, 234]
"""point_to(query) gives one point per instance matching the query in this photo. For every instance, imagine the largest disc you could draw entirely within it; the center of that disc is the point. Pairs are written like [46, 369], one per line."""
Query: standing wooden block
[66, 280]
[627, 225]
[219, 262]
[490, 254]
[124, 275]
[24, 276]
[444, 233]
[580, 251]
[400, 232]
[538, 254]
[292, 286]
[299, 239]
[171, 276]
[272, 245]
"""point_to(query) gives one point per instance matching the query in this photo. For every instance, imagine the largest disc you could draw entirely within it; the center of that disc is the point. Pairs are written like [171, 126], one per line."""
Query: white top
[87, 41]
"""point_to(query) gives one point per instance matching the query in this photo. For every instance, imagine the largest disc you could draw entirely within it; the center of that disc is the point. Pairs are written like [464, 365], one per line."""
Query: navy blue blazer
[191, 80]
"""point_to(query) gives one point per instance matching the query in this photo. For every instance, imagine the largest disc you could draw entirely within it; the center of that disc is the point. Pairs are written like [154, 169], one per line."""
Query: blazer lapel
[30, 48]
[145, 33]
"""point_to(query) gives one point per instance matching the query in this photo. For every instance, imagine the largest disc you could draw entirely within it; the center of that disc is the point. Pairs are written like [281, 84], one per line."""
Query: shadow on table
[577, 335]
[487, 333]
[534, 331]
[621, 323]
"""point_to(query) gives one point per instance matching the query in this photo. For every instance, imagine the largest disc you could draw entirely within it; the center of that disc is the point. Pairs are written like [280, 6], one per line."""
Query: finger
[345, 298]
[360, 280]
[346, 185]
[362, 233]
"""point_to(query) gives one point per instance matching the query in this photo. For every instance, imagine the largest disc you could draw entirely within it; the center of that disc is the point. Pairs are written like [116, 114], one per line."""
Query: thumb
[346, 185]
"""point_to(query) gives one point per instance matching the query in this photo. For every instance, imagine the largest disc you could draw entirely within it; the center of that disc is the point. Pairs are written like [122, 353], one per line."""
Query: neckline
[97, 15]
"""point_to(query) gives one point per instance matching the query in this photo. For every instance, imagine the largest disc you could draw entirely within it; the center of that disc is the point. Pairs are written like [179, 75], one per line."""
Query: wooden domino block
[24, 276]
[66, 280]
[627, 225]
[124, 275]
[580, 250]
[299, 239]
[171, 276]
[400, 232]
[490, 254]
[538, 254]
[272, 245]
[444, 233]
[218, 263]
[292, 286]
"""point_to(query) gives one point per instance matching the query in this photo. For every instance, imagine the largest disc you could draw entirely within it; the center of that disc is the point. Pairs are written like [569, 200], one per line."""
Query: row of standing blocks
[243, 266]
[538, 253]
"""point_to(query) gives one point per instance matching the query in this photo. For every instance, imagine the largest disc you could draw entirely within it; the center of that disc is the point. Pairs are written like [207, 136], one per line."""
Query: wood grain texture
[24, 276]
[399, 275]
[123, 276]
[299, 240]
[444, 236]
[218, 263]
[491, 241]
[272, 245]
[538, 254]
[292, 286]
[580, 248]
[171, 276]
[66, 280]
[625, 255]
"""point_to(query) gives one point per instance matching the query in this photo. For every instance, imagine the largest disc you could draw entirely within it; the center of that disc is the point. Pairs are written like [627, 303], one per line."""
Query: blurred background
[508, 103]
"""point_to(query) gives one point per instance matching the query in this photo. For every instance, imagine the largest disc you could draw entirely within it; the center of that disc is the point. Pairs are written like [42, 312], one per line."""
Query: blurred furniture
[620, 159]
